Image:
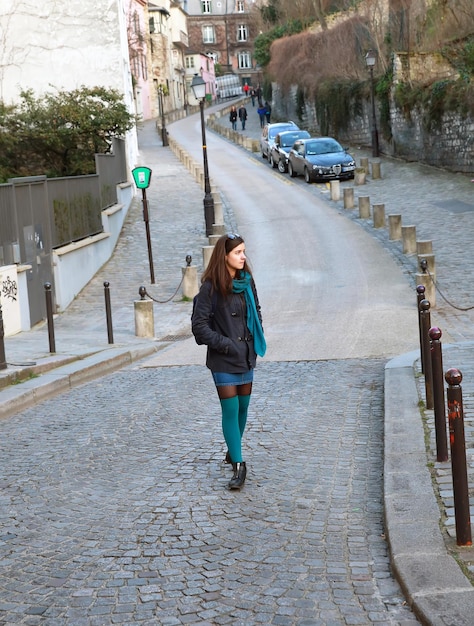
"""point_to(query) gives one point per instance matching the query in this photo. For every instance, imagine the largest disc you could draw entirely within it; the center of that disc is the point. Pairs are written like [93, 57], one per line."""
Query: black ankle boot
[238, 479]
[227, 459]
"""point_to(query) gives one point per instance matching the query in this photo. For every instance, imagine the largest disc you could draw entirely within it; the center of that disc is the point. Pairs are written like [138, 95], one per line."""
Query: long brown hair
[216, 270]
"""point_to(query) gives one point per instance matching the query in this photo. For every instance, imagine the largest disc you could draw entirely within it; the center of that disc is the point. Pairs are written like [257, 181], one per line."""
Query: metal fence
[38, 214]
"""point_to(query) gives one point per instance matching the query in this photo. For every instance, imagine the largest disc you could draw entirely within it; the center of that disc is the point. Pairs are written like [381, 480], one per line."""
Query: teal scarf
[243, 285]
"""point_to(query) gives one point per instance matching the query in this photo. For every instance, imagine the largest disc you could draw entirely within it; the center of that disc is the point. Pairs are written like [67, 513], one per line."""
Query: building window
[240, 6]
[190, 62]
[242, 34]
[245, 60]
[213, 55]
[206, 6]
[208, 34]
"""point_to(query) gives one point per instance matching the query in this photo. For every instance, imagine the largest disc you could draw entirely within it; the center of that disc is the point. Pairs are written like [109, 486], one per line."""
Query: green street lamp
[370, 59]
[199, 88]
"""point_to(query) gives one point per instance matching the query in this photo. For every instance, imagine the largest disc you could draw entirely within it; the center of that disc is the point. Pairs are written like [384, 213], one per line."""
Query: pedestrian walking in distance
[227, 319]
[242, 115]
[268, 111]
[233, 118]
[262, 113]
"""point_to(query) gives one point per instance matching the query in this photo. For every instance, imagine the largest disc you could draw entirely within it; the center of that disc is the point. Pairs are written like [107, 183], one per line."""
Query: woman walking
[227, 319]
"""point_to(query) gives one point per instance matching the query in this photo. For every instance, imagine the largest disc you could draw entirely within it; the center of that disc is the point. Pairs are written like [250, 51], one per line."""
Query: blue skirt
[222, 379]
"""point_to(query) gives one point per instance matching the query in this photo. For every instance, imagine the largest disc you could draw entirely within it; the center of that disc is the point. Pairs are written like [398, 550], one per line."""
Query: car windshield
[289, 140]
[325, 146]
[273, 132]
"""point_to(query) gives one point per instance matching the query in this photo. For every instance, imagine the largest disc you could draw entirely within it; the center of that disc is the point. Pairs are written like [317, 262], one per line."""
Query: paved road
[112, 502]
[113, 507]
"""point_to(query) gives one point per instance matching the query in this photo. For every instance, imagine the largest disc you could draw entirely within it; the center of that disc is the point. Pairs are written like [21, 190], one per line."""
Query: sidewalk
[441, 206]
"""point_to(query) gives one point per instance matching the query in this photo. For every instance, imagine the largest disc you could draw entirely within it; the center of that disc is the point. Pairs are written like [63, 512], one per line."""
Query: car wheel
[307, 176]
[272, 161]
[291, 171]
[281, 166]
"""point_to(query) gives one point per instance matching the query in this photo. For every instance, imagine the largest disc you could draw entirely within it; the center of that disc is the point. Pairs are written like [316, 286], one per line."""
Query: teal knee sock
[244, 402]
[230, 427]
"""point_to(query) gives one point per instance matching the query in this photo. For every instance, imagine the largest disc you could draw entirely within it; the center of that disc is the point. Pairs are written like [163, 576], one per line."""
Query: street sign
[141, 176]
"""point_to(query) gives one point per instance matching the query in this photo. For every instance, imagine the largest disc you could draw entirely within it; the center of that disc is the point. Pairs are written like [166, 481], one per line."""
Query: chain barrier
[458, 308]
[145, 293]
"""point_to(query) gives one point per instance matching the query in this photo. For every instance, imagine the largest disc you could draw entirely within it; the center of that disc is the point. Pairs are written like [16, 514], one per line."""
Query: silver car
[269, 132]
[283, 143]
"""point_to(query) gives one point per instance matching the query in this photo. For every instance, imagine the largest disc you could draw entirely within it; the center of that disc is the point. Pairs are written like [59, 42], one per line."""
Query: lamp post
[199, 88]
[164, 134]
[370, 59]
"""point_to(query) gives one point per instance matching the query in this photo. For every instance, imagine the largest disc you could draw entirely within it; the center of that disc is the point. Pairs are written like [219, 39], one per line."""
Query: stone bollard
[424, 247]
[218, 229]
[364, 163]
[364, 207]
[376, 170]
[394, 227]
[427, 282]
[359, 176]
[206, 255]
[348, 194]
[335, 188]
[426, 263]
[213, 239]
[218, 212]
[190, 281]
[379, 215]
[409, 239]
[144, 320]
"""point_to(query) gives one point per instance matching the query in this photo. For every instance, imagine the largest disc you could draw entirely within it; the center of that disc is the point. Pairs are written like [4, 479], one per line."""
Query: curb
[420, 559]
[17, 398]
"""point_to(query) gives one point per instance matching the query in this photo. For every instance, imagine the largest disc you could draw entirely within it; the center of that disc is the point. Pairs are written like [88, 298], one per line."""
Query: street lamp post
[164, 133]
[370, 59]
[199, 88]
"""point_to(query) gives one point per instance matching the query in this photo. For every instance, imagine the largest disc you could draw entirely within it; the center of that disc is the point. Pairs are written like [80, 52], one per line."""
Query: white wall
[75, 264]
[50, 45]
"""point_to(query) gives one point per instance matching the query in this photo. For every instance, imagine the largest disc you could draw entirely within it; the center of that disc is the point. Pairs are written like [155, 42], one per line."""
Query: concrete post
[359, 176]
[213, 239]
[348, 197]
[144, 320]
[409, 240]
[218, 229]
[190, 281]
[430, 263]
[206, 255]
[218, 212]
[376, 170]
[364, 207]
[394, 227]
[430, 290]
[379, 215]
[424, 247]
[364, 162]
[335, 187]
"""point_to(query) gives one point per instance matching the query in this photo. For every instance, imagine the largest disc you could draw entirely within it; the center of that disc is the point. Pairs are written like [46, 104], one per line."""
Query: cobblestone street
[128, 519]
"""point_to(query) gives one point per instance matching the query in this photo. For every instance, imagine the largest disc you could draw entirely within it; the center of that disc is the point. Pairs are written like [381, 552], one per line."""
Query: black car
[320, 158]
[282, 145]
[269, 132]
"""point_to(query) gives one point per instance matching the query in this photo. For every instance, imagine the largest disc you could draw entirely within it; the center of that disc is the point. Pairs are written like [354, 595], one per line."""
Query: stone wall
[451, 146]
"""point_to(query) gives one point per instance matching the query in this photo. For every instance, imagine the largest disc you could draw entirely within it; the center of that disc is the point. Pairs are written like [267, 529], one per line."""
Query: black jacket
[219, 322]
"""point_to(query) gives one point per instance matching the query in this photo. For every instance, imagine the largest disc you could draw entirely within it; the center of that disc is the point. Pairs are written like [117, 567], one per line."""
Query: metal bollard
[425, 339]
[108, 312]
[49, 316]
[420, 295]
[458, 458]
[3, 360]
[438, 395]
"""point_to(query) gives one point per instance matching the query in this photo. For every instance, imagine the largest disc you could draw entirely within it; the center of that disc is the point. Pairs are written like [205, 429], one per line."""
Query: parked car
[269, 132]
[282, 145]
[320, 158]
